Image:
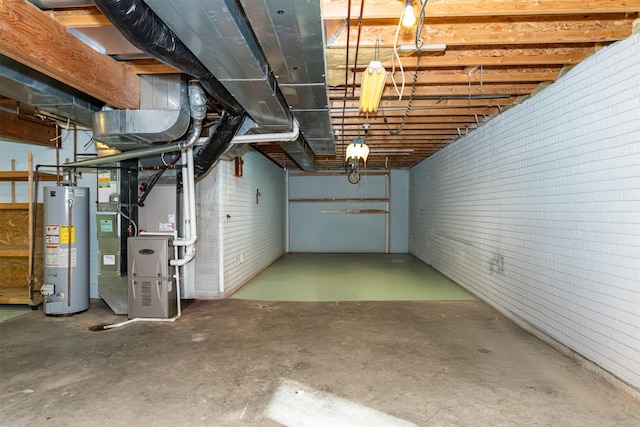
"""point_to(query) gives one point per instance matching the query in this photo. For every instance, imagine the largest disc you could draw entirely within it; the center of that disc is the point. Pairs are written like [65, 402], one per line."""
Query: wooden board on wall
[14, 247]
[14, 227]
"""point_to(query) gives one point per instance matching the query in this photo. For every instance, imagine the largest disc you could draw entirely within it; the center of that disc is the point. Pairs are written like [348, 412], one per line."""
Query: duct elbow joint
[193, 138]
[197, 101]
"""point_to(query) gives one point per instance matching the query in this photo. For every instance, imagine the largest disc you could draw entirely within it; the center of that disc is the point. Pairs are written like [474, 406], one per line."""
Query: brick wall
[237, 237]
[538, 211]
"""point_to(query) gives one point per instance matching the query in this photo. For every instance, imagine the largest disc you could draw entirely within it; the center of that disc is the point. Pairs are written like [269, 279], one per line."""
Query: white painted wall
[399, 239]
[47, 156]
[315, 227]
[552, 188]
[237, 237]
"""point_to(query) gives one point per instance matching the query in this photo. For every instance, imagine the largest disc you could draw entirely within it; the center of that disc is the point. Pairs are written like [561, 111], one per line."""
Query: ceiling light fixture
[371, 87]
[357, 150]
[408, 16]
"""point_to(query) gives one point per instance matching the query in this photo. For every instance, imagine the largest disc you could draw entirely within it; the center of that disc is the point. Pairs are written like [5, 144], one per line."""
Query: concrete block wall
[538, 211]
[316, 226]
[237, 237]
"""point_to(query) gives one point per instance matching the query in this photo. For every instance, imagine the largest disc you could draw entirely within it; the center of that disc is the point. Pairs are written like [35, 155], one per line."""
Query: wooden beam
[501, 31]
[382, 9]
[458, 58]
[379, 118]
[34, 39]
[477, 76]
[384, 133]
[453, 112]
[460, 55]
[89, 17]
[150, 67]
[31, 131]
[393, 106]
[444, 90]
[352, 128]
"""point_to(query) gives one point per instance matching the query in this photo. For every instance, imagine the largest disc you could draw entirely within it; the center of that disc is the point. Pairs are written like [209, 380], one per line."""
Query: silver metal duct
[300, 151]
[224, 40]
[290, 34]
[217, 33]
[33, 88]
[163, 115]
[105, 39]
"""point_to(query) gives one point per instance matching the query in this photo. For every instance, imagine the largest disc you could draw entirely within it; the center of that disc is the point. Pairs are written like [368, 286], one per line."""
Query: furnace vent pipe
[198, 108]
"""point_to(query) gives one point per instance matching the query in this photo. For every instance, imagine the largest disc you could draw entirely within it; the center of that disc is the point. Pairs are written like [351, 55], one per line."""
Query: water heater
[66, 250]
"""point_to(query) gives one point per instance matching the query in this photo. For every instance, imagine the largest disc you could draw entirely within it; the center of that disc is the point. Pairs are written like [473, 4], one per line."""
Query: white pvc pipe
[168, 148]
[190, 200]
[268, 137]
[287, 236]
[186, 195]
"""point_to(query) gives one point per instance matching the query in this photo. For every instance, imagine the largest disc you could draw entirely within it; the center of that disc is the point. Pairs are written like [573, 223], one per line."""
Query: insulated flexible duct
[142, 27]
[215, 145]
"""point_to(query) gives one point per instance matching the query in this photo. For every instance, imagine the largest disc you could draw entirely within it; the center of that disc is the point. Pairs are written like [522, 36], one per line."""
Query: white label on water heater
[51, 256]
[109, 260]
[79, 192]
[56, 257]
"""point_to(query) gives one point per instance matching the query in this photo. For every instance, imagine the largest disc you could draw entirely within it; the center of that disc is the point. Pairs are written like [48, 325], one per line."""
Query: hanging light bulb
[408, 17]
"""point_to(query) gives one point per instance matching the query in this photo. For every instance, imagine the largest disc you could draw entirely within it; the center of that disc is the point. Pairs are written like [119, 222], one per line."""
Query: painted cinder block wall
[317, 226]
[237, 237]
[538, 211]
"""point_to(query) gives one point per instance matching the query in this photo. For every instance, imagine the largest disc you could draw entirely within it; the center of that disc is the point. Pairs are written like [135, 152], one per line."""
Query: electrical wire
[92, 140]
[66, 129]
[346, 76]
[418, 44]
[403, 122]
[355, 61]
[393, 60]
[135, 227]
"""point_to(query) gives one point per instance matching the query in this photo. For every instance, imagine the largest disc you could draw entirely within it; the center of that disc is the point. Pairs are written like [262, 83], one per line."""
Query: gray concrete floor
[240, 362]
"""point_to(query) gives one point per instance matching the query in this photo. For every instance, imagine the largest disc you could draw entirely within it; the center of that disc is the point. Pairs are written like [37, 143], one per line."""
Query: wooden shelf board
[16, 296]
[14, 206]
[14, 251]
[24, 176]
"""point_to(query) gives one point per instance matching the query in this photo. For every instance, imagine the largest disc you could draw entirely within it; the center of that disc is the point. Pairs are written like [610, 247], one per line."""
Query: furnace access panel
[152, 287]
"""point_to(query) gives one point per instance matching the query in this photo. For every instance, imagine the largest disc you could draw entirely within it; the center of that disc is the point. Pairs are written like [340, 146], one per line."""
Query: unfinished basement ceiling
[497, 53]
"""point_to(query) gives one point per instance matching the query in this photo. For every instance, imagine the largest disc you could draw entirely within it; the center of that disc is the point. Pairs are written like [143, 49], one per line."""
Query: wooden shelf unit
[17, 243]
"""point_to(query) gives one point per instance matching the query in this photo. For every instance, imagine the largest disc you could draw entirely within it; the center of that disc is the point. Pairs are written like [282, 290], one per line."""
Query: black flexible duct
[226, 129]
[215, 145]
[142, 27]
